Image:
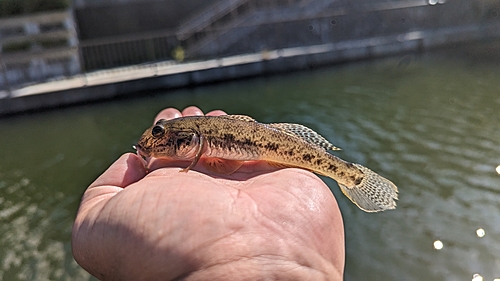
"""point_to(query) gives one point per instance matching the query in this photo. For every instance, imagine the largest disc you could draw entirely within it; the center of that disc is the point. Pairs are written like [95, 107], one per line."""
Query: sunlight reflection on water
[477, 277]
[438, 245]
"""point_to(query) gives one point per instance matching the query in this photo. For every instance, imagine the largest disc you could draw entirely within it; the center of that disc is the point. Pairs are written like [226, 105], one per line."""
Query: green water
[429, 123]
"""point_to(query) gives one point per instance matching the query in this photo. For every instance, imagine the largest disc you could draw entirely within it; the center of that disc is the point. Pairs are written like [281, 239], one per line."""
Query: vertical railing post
[6, 78]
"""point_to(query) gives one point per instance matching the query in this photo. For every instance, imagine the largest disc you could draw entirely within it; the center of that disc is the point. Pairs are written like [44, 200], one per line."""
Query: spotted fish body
[225, 141]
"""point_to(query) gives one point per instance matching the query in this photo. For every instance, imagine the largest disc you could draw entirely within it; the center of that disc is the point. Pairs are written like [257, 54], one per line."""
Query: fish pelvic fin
[285, 166]
[374, 194]
[222, 166]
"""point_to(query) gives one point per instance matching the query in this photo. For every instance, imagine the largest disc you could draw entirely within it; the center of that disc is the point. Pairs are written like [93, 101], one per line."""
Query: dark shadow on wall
[134, 17]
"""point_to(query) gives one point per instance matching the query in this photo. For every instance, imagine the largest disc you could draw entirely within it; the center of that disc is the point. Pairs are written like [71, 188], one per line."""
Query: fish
[225, 142]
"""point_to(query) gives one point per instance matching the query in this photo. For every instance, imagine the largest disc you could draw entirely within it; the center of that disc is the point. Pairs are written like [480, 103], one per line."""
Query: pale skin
[259, 223]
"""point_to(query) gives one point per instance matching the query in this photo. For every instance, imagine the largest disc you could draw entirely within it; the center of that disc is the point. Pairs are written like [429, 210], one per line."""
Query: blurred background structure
[84, 36]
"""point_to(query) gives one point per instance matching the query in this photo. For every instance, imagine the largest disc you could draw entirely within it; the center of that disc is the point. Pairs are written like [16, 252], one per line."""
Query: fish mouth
[145, 156]
[141, 152]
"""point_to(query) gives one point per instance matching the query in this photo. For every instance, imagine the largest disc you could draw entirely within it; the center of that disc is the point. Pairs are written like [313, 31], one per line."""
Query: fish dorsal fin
[304, 133]
[240, 117]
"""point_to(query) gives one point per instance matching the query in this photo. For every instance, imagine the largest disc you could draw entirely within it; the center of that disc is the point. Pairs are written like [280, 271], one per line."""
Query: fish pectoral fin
[222, 166]
[199, 152]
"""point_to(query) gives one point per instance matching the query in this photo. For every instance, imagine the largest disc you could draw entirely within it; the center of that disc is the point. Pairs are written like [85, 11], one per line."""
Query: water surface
[429, 123]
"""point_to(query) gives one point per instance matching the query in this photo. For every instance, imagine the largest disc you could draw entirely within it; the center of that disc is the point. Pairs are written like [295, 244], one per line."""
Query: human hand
[259, 223]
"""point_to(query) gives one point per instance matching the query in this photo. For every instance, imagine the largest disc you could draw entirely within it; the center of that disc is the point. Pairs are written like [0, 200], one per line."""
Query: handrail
[43, 18]
[54, 53]
[57, 34]
[207, 16]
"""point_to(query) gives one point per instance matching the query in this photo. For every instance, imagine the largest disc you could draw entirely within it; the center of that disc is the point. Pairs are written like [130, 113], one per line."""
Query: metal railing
[201, 30]
[128, 50]
[161, 45]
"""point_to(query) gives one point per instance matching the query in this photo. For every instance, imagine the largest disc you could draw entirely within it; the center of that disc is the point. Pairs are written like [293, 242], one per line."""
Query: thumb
[125, 171]
[129, 168]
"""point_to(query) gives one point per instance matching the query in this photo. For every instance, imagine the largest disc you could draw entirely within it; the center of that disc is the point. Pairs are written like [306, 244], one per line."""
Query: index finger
[169, 113]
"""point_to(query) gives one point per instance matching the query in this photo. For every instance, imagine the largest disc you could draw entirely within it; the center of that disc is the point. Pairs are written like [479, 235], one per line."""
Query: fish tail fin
[374, 194]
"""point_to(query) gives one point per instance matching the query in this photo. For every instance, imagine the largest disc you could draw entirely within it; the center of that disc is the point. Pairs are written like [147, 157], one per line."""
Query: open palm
[259, 223]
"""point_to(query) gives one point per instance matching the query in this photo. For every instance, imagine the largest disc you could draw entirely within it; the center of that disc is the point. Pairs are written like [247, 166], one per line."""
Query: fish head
[169, 139]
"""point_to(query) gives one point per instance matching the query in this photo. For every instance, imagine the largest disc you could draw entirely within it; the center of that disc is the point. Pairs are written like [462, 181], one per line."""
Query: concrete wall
[119, 18]
[341, 21]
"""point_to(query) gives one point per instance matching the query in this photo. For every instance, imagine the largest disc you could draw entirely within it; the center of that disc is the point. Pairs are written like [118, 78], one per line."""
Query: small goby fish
[224, 142]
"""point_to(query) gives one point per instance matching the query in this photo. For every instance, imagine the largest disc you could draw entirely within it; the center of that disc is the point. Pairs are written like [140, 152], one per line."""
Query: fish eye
[158, 131]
